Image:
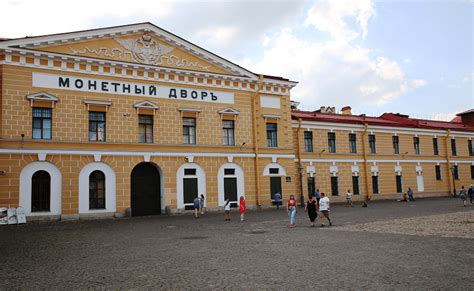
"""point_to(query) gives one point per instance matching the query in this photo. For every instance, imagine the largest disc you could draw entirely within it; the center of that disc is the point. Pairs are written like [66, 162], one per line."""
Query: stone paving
[180, 252]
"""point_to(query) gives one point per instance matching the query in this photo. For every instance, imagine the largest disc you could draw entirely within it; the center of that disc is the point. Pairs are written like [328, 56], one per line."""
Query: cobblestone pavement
[181, 252]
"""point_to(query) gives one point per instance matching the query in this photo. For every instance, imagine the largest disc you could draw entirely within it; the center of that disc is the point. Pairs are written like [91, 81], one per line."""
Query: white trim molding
[146, 105]
[201, 177]
[239, 175]
[281, 170]
[55, 189]
[110, 190]
[42, 96]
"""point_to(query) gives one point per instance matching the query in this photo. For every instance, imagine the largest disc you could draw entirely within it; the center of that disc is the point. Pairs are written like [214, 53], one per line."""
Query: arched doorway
[40, 191]
[145, 190]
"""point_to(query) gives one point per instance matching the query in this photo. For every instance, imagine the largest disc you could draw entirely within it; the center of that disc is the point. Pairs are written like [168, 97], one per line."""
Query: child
[349, 198]
[227, 210]
[243, 208]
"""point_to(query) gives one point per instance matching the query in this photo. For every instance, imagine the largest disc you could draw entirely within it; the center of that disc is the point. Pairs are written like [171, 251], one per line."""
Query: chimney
[346, 110]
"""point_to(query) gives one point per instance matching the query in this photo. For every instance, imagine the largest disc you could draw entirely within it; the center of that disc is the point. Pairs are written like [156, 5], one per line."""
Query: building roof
[153, 28]
[386, 119]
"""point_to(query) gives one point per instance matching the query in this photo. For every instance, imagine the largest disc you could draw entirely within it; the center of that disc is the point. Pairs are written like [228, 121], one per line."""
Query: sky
[412, 57]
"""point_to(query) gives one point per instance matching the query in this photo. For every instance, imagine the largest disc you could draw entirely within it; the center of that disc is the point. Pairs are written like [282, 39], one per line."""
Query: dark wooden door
[230, 190]
[190, 191]
[40, 191]
[145, 184]
[275, 186]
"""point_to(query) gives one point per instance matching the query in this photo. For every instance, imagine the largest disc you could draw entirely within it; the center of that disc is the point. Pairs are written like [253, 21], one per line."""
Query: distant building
[136, 120]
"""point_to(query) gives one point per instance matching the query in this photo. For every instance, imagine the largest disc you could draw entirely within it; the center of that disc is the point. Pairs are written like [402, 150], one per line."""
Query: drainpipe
[448, 168]
[255, 140]
[366, 166]
[300, 164]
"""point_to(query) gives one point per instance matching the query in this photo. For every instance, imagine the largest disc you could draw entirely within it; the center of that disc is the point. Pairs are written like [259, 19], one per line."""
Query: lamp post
[453, 169]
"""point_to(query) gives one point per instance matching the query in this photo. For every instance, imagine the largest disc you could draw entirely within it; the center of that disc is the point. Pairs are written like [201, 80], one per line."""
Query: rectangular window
[228, 133]
[373, 149]
[472, 172]
[470, 146]
[455, 173]
[398, 180]
[453, 147]
[352, 143]
[334, 186]
[97, 126]
[355, 185]
[438, 172]
[311, 186]
[273, 171]
[272, 135]
[229, 171]
[308, 141]
[332, 142]
[189, 130]
[396, 145]
[416, 145]
[435, 146]
[190, 172]
[145, 128]
[42, 123]
[375, 184]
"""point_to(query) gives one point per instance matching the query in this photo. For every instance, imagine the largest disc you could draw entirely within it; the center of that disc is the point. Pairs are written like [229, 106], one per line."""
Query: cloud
[416, 83]
[329, 16]
[336, 71]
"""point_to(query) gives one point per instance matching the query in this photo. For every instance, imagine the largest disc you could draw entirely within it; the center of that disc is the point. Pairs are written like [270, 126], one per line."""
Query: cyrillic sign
[128, 88]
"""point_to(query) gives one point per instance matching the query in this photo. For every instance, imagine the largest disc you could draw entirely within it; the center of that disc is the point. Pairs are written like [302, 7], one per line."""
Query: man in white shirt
[324, 208]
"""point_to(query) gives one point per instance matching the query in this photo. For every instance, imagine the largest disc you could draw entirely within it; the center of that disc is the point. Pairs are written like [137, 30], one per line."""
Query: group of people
[408, 196]
[200, 208]
[463, 194]
[312, 207]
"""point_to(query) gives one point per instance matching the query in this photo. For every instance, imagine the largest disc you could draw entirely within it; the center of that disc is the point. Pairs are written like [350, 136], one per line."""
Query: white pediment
[146, 105]
[42, 96]
[229, 111]
[143, 49]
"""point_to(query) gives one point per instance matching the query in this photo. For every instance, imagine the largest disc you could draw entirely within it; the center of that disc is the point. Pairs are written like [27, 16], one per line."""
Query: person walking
[410, 194]
[197, 206]
[462, 195]
[470, 192]
[277, 198]
[324, 204]
[318, 195]
[243, 208]
[311, 207]
[349, 198]
[227, 210]
[202, 206]
[291, 209]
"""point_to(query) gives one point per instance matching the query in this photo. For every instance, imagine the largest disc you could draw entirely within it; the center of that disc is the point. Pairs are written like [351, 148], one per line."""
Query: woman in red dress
[243, 208]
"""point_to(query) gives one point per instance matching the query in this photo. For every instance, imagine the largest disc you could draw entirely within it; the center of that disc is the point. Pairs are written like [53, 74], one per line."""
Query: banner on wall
[105, 86]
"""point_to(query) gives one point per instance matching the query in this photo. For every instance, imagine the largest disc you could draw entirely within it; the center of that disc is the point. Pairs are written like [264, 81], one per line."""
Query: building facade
[135, 120]
[380, 157]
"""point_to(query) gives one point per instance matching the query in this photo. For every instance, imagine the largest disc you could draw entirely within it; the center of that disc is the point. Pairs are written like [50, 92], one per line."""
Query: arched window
[97, 190]
[40, 191]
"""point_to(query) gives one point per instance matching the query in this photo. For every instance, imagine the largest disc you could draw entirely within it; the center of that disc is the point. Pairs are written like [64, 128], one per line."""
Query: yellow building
[135, 120]
[380, 157]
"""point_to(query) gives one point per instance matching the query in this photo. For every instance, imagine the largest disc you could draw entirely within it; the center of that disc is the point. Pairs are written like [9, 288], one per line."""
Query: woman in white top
[324, 208]
[227, 210]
